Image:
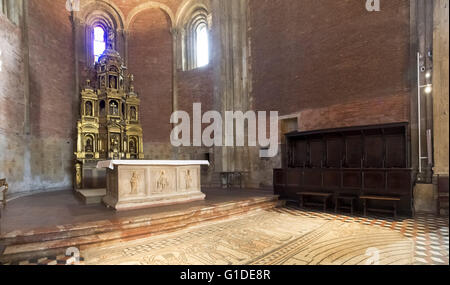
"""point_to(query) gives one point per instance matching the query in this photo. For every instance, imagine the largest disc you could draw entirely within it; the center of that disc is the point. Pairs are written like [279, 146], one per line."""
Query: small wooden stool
[347, 198]
[324, 196]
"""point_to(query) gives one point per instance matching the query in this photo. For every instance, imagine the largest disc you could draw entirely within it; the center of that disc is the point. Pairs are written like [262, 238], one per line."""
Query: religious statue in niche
[115, 143]
[89, 147]
[89, 109]
[162, 183]
[133, 114]
[132, 146]
[134, 184]
[113, 82]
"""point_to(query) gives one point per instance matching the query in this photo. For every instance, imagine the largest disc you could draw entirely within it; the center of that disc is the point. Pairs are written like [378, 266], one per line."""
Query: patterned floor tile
[285, 236]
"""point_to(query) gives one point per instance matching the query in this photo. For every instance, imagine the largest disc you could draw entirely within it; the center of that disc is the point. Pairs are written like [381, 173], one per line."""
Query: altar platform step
[91, 196]
[111, 227]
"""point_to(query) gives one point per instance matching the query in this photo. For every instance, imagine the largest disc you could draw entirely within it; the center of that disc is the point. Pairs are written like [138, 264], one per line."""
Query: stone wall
[440, 86]
[12, 109]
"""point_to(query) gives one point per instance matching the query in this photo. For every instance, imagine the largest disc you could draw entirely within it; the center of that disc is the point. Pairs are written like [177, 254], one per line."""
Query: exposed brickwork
[331, 58]
[382, 110]
[51, 69]
[195, 86]
[11, 82]
[12, 107]
[150, 58]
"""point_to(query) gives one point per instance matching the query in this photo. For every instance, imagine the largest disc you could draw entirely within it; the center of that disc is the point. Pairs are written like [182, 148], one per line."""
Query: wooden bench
[350, 199]
[324, 196]
[393, 200]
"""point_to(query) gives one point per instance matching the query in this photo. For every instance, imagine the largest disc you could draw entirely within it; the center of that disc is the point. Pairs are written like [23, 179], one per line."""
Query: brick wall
[52, 83]
[150, 59]
[51, 69]
[12, 108]
[196, 86]
[11, 80]
[331, 60]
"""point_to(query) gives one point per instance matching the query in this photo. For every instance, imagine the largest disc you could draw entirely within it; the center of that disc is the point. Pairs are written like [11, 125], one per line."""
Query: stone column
[229, 58]
[440, 87]
[176, 54]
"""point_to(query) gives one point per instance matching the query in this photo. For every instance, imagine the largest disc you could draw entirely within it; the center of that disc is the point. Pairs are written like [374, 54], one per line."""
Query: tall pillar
[440, 87]
[229, 58]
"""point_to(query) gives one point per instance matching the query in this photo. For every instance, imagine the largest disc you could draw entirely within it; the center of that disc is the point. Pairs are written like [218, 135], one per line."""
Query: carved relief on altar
[188, 179]
[133, 181]
[163, 181]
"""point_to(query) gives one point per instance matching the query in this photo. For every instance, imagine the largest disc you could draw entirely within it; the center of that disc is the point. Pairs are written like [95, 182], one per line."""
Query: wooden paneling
[316, 153]
[332, 179]
[301, 153]
[335, 152]
[359, 161]
[353, 151]
[374, 151]
[395, 151]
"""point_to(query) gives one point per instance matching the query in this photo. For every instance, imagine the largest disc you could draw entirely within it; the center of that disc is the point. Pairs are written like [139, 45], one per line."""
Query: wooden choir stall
[363, 169]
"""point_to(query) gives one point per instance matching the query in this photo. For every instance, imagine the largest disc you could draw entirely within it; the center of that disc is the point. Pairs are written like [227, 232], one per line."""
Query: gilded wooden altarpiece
[109, 125]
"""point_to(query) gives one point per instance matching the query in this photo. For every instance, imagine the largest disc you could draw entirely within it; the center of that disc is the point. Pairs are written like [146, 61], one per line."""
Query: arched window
[195, 40]
[202, 45]
[99, 42]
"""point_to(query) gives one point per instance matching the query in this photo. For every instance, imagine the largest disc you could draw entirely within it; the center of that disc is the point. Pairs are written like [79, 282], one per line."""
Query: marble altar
[136, 184]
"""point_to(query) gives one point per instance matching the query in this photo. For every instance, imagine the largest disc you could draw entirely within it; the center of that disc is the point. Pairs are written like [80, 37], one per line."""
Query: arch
[105, 15]
[91, 9]
[191, 15]
[187, 8]
[149, 5]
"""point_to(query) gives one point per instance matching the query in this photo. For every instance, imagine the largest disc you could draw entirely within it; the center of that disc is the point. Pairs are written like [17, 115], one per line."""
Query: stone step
[91, 196]
[56, 241]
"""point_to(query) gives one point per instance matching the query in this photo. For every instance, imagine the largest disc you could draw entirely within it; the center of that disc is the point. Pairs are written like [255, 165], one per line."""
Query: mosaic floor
[286, 236]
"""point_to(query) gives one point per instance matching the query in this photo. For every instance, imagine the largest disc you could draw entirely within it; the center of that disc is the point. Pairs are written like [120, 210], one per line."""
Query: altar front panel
[139, 186]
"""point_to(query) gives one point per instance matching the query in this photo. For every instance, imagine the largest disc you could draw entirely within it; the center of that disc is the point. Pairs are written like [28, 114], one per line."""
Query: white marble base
[153, 201]
[141, 184]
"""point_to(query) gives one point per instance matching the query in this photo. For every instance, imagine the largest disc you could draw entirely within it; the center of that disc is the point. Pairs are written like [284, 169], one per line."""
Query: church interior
[90, 96]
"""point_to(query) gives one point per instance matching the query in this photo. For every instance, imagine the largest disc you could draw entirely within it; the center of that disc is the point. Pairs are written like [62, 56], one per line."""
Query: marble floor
[285, 236]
